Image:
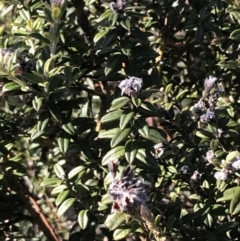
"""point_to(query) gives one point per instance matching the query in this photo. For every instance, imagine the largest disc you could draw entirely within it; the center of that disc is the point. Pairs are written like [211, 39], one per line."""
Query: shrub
[119, 120]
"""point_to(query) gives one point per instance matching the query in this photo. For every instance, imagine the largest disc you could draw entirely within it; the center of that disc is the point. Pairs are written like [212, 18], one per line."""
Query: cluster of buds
[130, 86]
[128, 194]
[206, 113]
[118, 6]
[231, 167]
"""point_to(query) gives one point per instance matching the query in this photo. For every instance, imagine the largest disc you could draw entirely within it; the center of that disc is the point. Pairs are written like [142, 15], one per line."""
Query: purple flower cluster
[230, 168]
[130, 86]
[128, 194]
[205, 108]
[118, 6]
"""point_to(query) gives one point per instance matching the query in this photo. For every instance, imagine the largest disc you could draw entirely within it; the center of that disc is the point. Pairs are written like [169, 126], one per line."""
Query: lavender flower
[210, 155]
[131, 86]
[236, 163]
[56, 2]
[199, 108]
[205, 118]
[128, 194]
[222, 175]
[117, 6]
[209, 83]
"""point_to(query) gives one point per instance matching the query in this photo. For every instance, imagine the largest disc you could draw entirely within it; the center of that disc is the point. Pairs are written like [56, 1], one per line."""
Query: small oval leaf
[114, 220]
[83, 218]
[59, 171]
[75, 171]
[121, 233]
[120, 136]
[65, 206]
[113, 154]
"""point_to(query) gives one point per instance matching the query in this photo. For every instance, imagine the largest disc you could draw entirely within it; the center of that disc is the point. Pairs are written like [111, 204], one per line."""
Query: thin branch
[37, 215]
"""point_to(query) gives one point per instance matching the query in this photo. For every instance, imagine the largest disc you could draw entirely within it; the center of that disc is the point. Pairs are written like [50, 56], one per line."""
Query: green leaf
[131, 149]
[84, 147]
[33, 78]
[36, 133]
[109, 134]
[207, 235]
[69, 128]
[53, 181]
[39, 37]
[100, 35]
[147, 159]
[61, 197]
[56, 13]
[149, 108]
[65, 206]
[3, 150]
[204, 134]
[110, 38]
[235, 35]
[111, 116]
[24, 14]
[10, 87]
[43, 121]
[229, 194]
[59, 189]
[75, 171]
[231, 64]
[225, 227]
[170, 222]
[125, 118]
[114, 220]
[144, 51]
[172, 169]
[121, 233]
[136, 101]
[126, 24]
[119, 103]
[83, 218]
[49, 63]
[141, 126]
[37, 103]
[231, 156]
[120, 136]
[59, 171]
[63, 142]
[154, 135]
[182, 94]
[55, 112]
[6, 10]
[199, 34]
[105, 15]
[235, 203]
[113, 154]
[214, 144]
[113, 64]
[113, 18]
[147, 93]
[142, 36]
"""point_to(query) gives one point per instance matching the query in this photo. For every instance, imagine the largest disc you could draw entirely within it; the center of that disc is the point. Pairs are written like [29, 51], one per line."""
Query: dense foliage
[119, 120]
